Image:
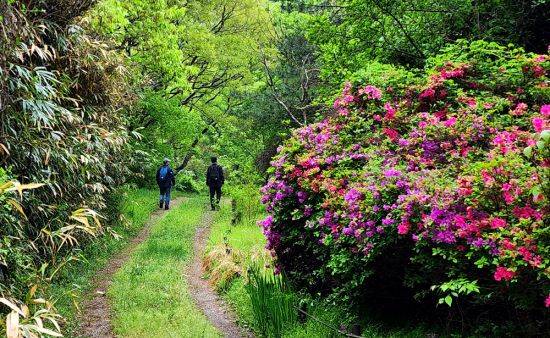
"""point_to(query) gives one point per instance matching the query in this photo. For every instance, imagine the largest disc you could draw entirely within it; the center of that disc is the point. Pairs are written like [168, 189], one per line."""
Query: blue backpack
[163, 174]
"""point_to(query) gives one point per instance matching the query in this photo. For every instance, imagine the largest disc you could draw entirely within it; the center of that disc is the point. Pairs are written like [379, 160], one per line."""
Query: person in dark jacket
[165, 180]
[215, 180]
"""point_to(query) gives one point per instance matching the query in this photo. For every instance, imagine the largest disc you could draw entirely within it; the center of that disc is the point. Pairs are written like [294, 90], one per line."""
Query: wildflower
[545, 110]
[547, 301]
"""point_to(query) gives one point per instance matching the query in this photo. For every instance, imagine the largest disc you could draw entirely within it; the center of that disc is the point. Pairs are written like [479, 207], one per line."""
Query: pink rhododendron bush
[439, 183]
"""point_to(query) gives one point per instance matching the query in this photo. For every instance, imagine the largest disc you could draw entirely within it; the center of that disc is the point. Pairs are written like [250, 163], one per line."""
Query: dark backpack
[214, 174]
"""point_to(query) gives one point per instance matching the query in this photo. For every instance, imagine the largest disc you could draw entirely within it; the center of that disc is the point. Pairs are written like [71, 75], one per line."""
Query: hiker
[215, 180]
[165, 179]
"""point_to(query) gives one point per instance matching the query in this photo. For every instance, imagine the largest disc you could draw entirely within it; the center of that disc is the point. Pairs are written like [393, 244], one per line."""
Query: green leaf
[541, 144]
[536, 191]
[527, 151]
[545, 135]
[449, 300]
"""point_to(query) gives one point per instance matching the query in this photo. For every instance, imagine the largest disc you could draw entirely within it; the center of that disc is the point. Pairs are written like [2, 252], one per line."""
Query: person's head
[214, 159]
[166, 161]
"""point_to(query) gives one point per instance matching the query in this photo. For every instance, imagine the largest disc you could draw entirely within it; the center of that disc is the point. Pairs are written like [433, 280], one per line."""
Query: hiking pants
[165, 196]
[215, 190]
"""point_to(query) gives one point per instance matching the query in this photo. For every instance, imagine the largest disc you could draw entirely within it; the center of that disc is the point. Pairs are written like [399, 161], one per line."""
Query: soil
[206, 299]
[95, 318]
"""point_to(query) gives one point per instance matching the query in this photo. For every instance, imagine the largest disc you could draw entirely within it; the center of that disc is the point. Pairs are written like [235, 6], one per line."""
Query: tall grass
[273, 303]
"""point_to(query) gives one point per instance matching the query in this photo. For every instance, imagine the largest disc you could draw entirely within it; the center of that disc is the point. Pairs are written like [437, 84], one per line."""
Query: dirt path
[206, 299]
[95, 318]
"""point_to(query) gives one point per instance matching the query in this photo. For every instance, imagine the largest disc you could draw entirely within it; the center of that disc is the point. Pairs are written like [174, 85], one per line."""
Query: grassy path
[95, 318]
[206, 299]
[149, 295]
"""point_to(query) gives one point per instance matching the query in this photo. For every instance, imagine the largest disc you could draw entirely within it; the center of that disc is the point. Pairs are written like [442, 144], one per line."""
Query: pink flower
[343, 112]
[547, 301]
[390, 112]
[545, 110]
[427, 93]
[504, 273]
[525, 212]
[403, 228]
[497, 223]
[521, 108]
[538, 124]
[372, 92]
[508, 198]
[392, 134]
[348, 98]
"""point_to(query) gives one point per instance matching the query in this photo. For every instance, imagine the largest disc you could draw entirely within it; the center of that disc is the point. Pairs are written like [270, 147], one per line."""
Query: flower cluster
[439, 164]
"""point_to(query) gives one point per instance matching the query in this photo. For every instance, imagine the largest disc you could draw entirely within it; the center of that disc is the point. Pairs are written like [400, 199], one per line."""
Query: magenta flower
[538, 124]
[504, 273]
[497, 223]
[427, 93]
[372, 92]
[403, 228]
[347, 231]
[545, 110]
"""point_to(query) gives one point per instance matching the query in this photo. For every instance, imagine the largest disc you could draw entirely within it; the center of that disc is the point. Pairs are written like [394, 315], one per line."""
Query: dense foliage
[192, 60]
[62, 97]
[351, 33]
[440, 180]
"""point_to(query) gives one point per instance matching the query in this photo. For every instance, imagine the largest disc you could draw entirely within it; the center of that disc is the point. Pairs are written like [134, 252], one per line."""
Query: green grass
[246, 237]
[149, 296]
[75, 280]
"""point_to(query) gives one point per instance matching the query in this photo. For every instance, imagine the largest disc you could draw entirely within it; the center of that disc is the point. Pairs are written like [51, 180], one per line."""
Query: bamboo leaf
[45, 331]
[12, 306]
[12, 325]
[18, 207]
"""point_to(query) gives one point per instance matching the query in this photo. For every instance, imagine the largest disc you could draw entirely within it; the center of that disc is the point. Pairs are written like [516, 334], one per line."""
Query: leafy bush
[26, 274]
[62, 100]
[442, 180]
[186, 181]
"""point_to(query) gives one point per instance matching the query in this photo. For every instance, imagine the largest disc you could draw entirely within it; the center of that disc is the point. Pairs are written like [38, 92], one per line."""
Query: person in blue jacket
[165, 180]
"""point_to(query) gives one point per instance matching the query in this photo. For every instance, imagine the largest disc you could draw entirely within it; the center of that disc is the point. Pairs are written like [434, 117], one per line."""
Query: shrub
[186, 181]
[440, 181]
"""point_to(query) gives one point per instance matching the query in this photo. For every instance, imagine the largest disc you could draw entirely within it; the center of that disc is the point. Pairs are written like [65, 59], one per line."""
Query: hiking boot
[166, 208]
[161, 204]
